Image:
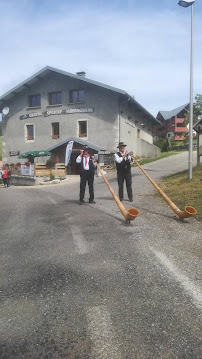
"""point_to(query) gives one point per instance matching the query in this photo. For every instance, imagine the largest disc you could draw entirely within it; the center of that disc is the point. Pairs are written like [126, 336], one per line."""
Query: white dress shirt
[85, 165]
[121, 159]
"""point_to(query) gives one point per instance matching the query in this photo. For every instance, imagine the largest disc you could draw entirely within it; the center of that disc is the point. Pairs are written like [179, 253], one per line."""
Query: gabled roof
[46, 70]
[169, 114]
[43, 72]
[81, 142]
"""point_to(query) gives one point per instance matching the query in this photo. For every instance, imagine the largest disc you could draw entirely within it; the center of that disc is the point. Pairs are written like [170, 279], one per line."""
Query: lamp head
[186, 3]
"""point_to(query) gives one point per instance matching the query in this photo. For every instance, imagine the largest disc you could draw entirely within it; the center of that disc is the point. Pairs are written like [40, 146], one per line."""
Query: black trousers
[121, 177]
[5, 181]
[86, 176]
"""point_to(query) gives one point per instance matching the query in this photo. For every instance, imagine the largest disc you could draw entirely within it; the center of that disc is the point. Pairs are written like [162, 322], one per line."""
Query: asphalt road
[77, 282]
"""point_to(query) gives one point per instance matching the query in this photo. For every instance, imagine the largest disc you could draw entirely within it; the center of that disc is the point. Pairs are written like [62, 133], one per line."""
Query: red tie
[86, 159]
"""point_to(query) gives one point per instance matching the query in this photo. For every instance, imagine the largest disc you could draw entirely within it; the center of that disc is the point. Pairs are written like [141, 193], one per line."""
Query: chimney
[81, 73]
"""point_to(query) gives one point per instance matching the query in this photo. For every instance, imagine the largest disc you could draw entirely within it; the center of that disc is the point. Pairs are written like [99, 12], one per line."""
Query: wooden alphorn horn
[129, 215]
[188, 211]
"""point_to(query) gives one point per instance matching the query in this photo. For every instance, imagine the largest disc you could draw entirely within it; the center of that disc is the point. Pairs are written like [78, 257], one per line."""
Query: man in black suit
[123, 161]
[87, 171]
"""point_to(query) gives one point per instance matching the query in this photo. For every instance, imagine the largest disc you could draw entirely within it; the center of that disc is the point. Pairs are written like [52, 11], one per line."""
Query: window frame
[77, 91]
[50, 97]
[30, 100]
[27, 140]
[53, 136]
[78, 126]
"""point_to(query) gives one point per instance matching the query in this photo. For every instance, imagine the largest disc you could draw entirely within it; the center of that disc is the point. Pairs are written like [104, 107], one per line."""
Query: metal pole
[191, 102]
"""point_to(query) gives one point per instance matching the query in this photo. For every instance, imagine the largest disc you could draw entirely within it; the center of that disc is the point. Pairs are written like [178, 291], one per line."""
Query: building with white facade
[53, 106]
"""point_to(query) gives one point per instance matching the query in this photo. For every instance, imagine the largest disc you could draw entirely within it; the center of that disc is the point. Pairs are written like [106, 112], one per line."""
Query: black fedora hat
[86, 147]
[121, 144]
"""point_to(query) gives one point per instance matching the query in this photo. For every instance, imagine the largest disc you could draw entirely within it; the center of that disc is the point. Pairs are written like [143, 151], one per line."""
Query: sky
[141, 47]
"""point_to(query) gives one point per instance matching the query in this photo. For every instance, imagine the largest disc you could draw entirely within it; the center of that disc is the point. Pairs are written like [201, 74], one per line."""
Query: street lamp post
[188, 3]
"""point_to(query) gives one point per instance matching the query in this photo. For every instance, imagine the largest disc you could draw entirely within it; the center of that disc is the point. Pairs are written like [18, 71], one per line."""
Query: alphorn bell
[129, 214]
[188, 211]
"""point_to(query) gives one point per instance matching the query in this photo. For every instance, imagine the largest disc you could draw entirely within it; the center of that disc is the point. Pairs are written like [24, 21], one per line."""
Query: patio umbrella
[32, 154]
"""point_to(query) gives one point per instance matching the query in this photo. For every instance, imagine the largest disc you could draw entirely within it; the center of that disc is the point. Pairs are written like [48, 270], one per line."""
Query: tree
[197, 109]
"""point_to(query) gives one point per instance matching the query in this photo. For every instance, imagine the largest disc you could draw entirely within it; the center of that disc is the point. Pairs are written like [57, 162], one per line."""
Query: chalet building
[172, 124]
[52, 107]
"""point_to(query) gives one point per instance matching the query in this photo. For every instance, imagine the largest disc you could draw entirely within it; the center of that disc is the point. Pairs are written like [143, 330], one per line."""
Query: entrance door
[74, 165]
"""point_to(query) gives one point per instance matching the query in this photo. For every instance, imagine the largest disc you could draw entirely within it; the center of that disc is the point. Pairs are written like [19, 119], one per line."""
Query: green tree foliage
[162, 143]
[197, 109]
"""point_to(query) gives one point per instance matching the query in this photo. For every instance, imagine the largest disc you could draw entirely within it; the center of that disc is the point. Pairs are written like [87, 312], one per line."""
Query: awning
[81, 142]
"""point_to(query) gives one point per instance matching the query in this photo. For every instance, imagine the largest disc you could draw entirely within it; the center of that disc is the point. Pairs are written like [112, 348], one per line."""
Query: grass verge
[184, 192]
[143, 161]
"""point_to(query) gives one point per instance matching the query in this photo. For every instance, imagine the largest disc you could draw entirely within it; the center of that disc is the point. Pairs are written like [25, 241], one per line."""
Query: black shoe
[80, 202]
[93, 202]
[131, 199]
[121, 199]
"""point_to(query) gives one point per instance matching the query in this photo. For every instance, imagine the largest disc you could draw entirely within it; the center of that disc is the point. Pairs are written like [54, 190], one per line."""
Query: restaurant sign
[57, 112]
[68, 111]
[14, 153]
[31, 115]
[79, 110]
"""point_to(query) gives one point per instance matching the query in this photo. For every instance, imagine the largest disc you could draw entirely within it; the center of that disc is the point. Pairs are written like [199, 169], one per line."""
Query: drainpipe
[120, 103]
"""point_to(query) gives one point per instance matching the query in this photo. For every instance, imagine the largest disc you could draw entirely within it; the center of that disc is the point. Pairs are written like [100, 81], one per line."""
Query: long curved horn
[188, 211]
[129, 215]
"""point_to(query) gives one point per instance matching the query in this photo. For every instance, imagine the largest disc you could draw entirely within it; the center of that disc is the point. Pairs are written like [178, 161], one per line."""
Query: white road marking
[194, 292]
[79, 240]
[102, 334]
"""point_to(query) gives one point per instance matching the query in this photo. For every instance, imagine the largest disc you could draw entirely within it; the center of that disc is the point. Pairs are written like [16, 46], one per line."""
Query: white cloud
[145, 54]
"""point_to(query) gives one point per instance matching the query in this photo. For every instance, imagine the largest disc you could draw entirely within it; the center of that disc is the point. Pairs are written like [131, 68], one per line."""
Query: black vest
[124, 166]
[91, 166]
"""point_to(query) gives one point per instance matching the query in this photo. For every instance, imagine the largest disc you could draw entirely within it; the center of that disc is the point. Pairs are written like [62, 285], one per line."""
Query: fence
[42, 170]
[39, 170]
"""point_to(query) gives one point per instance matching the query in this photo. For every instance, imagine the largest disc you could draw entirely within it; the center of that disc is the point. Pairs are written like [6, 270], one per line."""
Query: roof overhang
[80, 142]
[143, 110]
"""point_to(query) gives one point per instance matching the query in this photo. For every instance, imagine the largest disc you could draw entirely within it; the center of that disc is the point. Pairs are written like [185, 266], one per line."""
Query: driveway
[77, 282]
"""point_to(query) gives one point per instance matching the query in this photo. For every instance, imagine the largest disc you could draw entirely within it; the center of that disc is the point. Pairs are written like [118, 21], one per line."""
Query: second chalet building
[52, 107]
[173, 124]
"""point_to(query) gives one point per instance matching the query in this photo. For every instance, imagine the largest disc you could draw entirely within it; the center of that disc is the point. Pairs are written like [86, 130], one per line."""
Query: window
[76, 96]
[55, 130]
[34, 100]
[82, 128]
[180, 124]
[55, 98]
[29, 132]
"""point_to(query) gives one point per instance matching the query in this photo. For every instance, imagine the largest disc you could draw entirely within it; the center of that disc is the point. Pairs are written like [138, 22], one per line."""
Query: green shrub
[160, 142]
[52, 177]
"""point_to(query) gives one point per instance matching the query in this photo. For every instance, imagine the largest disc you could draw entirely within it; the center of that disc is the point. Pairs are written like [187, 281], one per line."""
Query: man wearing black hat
[123, 161]
[87, 170]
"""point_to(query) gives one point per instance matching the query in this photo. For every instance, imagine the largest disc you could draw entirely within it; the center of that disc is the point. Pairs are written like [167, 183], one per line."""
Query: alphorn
[188, 211]
[129, 214]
